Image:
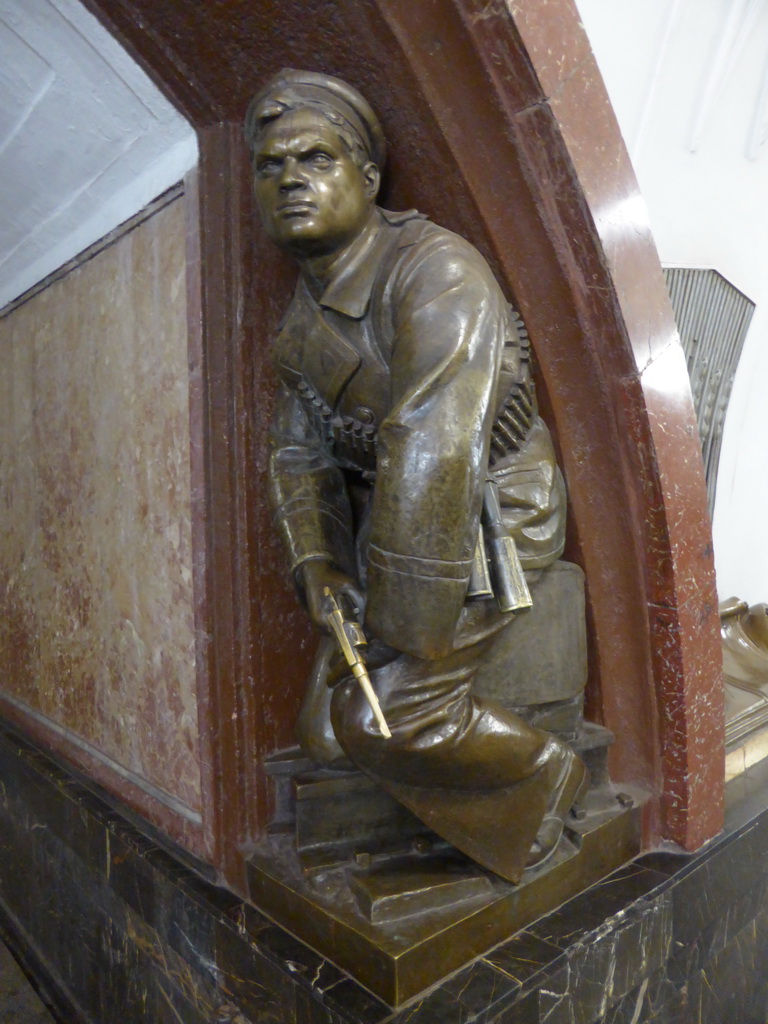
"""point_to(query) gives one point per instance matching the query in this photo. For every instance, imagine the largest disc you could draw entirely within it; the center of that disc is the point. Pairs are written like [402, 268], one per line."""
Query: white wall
[86, 139]
[689, 83]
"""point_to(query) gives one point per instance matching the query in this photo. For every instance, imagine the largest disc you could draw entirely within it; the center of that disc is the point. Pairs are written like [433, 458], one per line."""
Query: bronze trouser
[441, 735]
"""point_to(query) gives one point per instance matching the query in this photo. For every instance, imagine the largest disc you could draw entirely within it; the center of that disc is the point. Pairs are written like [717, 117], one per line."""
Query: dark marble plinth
[19, 1003]
[120, 929]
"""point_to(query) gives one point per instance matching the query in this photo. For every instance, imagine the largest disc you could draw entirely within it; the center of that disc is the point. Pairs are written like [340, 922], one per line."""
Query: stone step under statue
[351, 872]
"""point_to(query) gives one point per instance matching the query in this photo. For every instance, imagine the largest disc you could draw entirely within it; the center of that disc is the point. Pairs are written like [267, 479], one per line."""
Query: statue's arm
[310, 508]
[450, 321]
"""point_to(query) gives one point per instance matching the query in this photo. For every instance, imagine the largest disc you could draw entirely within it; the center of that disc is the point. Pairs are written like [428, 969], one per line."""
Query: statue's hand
[317, 574]
[376, 655]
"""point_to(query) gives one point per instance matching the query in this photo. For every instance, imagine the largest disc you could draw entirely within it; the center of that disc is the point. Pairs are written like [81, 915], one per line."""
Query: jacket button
[364, 414]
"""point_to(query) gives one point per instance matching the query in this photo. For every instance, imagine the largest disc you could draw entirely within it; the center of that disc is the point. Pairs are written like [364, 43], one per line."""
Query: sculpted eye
[321, 160]
[265, 168]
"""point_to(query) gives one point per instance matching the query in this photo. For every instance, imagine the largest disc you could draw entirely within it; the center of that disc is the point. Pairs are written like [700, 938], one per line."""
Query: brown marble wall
[96, 601]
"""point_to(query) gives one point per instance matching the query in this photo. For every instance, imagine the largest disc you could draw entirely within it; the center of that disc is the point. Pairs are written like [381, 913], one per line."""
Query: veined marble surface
[96, 598]
[19, 1003]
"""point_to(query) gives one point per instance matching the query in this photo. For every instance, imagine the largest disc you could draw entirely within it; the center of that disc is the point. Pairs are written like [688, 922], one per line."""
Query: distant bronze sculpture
[744, 632]
[411, 479]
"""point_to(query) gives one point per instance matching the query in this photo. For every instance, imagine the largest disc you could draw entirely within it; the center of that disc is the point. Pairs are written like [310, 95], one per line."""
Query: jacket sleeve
[449, 322]
[307, 493]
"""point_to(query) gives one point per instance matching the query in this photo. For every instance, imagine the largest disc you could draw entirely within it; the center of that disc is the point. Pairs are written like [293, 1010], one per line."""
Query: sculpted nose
[292, 177]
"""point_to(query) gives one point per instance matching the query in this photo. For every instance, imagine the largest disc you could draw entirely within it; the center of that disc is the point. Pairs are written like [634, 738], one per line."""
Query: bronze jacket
[390, 387]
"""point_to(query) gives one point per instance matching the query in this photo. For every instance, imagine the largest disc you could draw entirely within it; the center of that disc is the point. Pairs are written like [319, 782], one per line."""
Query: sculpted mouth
[296, 208]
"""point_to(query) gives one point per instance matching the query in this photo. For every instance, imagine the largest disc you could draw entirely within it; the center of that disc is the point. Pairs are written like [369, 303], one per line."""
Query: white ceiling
[86, 139]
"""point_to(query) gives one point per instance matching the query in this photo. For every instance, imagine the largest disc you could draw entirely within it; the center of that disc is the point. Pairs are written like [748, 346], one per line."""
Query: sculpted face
[313, 198]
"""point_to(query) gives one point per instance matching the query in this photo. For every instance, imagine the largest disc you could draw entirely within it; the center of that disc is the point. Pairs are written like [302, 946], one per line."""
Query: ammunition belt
[356, 442]
[518, 410]
[344, 436]
[513, 421]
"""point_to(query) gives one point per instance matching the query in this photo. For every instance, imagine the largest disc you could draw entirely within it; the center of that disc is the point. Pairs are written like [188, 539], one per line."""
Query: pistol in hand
[350, 637]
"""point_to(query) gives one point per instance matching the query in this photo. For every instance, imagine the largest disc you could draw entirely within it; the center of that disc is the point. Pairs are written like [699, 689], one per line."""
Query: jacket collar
[353, 277]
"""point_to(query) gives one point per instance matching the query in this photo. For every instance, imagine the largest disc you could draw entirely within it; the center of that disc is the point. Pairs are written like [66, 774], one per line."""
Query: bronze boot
[571, 786]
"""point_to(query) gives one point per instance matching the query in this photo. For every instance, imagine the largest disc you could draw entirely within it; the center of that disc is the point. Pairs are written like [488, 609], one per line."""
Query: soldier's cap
[341, 103]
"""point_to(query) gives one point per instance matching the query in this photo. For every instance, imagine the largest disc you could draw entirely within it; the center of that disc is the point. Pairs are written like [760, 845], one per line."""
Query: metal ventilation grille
[713, 318]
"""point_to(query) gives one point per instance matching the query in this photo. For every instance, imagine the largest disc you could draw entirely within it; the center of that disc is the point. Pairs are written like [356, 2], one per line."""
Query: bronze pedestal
[352, 874]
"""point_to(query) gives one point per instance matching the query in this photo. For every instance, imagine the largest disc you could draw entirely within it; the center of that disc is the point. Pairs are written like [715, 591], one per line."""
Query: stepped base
[354, 875]
[396, 957]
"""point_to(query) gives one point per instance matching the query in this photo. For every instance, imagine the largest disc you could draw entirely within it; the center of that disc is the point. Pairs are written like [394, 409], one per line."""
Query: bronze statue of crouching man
[403, 398]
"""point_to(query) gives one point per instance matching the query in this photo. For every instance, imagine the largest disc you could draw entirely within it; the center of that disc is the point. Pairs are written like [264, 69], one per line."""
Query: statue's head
[317, 151]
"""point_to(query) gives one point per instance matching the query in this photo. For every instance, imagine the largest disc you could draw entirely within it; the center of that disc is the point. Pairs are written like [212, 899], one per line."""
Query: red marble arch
[499, 128]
